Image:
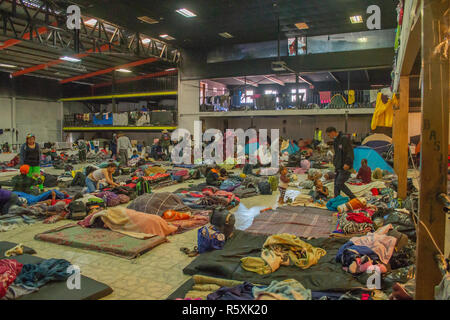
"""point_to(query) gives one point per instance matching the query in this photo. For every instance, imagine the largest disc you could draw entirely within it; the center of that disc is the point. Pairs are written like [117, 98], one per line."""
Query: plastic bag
[244, 217]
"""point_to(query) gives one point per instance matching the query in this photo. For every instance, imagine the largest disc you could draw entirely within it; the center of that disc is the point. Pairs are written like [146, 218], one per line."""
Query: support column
[188, 103]
[434, 149]
[13, 121]
[400, 138]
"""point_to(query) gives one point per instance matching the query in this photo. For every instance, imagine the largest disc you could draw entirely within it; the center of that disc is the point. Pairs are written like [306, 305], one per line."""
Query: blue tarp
[374, 160]
[42, 197]
[107, 118]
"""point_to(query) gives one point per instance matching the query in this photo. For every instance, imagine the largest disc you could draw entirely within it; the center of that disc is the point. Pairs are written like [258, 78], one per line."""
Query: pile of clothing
[374, 249]
[22, 279]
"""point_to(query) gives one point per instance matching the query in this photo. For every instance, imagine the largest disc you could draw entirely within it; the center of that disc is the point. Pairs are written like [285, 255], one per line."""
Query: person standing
[113, 146]
[30, 154]
[123, 144]
[342, 160]
[82, 150]
[165, 142]
[317, 137]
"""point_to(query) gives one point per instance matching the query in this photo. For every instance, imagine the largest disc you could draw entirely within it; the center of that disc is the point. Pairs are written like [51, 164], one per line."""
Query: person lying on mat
[94, 178]
[7, 200]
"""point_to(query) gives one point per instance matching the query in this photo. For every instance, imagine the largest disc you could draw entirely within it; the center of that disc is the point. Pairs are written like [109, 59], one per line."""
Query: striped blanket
[300, 221]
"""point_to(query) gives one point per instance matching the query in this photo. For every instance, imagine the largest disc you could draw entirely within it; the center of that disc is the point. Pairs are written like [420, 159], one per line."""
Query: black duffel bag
[223, 220]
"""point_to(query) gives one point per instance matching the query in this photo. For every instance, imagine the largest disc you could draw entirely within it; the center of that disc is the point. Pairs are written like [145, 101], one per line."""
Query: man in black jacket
[343, 161]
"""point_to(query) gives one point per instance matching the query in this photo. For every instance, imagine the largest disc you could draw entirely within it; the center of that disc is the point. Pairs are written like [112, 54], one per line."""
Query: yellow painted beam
[117, 128]
[126, 95]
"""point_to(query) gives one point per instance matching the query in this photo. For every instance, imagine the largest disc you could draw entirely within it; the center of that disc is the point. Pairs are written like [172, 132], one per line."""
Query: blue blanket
[38, 274]
[335, 202]
[42, 197]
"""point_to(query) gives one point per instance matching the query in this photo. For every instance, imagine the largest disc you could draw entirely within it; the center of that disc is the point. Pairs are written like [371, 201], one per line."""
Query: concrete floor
[154, 276]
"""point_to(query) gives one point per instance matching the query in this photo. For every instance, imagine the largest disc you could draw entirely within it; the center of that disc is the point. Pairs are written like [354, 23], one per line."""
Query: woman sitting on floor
[94, 178]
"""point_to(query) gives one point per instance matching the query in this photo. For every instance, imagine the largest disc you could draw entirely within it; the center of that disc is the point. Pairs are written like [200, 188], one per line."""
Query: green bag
[142, 187]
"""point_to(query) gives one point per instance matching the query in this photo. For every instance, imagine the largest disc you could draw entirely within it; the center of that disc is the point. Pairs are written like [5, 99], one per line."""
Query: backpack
[209, 239]
[273, 181]
[77, 210]
[223, 220]
[50, 180]
[78, 180]
[142, 187]
[264, 188]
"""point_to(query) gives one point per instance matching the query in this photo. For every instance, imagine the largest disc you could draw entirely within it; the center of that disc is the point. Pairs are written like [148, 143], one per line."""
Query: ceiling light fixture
[186, 13]
[356, 19]
[146, 40]
[91, 22]
[301, 26]
[362, 39]
[69, 59]
[4, 65]
[166, 36]
[226, 35]
[171, 69]
[123, 70]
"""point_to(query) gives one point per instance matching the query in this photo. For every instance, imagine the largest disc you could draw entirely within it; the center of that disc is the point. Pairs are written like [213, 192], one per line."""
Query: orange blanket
[136, 224]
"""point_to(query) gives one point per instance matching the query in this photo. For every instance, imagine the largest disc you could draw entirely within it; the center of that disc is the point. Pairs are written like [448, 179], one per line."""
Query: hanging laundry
[325, 97]
[351, 96]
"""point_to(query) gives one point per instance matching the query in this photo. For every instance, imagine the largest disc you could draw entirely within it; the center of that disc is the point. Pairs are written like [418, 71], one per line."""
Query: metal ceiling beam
[367, 75]
[249, 82]
[146, 76]
[56, 62]
[334, 77]
[51, 17]
[99, 72]
[304, 80]
[275, 80]
[12, 42]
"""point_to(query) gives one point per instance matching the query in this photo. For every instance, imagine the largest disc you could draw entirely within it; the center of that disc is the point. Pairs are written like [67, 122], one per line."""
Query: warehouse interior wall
[294, 127]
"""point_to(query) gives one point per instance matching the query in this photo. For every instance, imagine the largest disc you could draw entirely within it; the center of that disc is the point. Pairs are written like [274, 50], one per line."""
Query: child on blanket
[283, 184]
[321, 192]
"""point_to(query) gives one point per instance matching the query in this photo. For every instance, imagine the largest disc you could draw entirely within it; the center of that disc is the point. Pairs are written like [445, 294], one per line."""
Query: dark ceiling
[247, 20]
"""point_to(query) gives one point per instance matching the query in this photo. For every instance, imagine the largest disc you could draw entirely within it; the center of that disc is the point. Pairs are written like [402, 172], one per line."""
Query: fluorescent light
[186, 13]
[91, 22]
[166, 36]
[171, 69]
[362, 39]
[70, 59]
[123, 70]
[301, 25]
[4, 65]
[226, 35]
[356, 19]
[146, 40]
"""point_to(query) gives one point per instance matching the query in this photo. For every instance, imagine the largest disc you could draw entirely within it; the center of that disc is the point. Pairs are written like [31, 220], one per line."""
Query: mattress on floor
[57, 290]
[102, 240]
[327, 275]
[300, 221]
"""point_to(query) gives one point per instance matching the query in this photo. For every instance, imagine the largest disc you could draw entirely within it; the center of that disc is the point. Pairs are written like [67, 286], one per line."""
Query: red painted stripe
[147, 76]
[56, 62]
[26, 36]
[108, 70]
